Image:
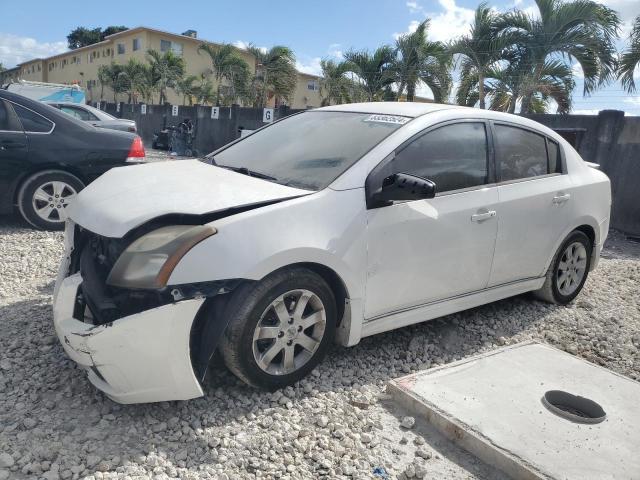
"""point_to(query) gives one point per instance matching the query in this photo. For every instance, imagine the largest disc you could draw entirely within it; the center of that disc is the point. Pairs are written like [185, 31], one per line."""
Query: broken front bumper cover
[138, 358]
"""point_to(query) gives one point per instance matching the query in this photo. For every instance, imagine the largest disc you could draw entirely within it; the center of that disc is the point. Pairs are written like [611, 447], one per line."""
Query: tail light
[136, 152]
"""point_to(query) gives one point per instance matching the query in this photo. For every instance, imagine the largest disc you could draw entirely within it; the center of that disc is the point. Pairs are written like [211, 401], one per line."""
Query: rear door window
[555, 164]
[521, 153]
[31, 121]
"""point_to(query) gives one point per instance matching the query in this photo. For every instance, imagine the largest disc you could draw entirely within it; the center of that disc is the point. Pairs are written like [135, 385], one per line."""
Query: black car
[47, 157]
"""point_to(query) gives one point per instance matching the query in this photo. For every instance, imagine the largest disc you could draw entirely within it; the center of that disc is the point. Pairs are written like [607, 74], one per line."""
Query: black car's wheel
[568, 270]
[44, 197]
[280, 328]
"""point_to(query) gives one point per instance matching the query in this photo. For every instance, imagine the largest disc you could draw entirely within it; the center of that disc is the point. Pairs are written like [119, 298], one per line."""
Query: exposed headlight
[149, 261]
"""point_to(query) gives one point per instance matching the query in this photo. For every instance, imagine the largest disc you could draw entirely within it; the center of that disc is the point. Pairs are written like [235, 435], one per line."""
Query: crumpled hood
[126, 197]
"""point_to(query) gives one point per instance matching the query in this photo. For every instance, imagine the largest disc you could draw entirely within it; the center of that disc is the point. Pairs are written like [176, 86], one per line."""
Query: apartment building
[81, 65]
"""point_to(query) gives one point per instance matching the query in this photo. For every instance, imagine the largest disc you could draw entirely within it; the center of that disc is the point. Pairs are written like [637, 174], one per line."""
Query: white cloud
[445, 25]
[335, 51]
[15, 49]
[413, 26]
[244, 45]
[635, 100]
[414, 7]
[576, 70]
[309, 65]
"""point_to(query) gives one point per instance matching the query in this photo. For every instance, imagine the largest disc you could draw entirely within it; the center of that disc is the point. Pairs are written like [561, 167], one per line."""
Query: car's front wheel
[568, 271]
[280, 328]
[44, 197]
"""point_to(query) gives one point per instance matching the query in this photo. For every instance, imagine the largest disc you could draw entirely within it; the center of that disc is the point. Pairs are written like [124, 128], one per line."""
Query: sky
[314, 30]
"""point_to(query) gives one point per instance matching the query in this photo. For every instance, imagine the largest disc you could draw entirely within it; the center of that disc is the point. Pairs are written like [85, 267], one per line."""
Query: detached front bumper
[138, 358]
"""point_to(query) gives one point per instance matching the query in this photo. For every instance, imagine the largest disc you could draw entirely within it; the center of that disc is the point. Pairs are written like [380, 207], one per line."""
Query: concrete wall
[613, 141]
[210, 134]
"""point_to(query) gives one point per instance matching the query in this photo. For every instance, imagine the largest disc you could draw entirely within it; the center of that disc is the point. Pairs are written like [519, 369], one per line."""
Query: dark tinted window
[8, 122]
[31, 121]
[555, 164]
[454, 157]
[520, 153]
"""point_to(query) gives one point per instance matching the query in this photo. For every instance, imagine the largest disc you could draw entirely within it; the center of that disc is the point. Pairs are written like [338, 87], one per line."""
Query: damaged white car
[327, 226]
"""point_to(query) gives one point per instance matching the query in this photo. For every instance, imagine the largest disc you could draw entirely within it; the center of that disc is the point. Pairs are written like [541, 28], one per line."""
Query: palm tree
[186, 86]
[227, 65]
[166, 70]
[420, 60]
[333, 83]
[481, 49]
[104, 77]
[630, 58]
[276, 73]
[555, 83]
[205, 93]
[374, 71]
[136, 77]
[580, 30]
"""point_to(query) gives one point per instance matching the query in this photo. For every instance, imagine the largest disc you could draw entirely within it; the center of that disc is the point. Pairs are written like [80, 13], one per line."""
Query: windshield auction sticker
[395, 119]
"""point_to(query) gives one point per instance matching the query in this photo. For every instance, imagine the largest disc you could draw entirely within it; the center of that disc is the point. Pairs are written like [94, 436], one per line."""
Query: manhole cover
[573, 407]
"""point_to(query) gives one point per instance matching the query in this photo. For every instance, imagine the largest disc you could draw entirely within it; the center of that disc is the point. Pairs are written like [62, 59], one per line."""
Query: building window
[166, 45]
[120, 48]
[39, 67]
[313, 85]
[136, 44]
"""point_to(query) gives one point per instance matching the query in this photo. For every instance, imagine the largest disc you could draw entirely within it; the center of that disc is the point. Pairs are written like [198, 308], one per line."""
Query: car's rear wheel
[44, 197]
[568, 271]
[280, 328]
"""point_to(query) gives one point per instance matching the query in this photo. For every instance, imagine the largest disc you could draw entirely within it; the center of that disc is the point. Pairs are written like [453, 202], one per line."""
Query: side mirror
[402, 186]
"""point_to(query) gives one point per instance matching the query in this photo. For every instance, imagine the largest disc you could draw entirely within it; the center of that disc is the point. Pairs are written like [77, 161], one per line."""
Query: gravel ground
[339, 423]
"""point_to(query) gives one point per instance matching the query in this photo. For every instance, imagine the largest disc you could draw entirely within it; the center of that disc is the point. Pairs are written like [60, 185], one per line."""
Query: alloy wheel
[50, 200]
[289, 332]
[571, 268]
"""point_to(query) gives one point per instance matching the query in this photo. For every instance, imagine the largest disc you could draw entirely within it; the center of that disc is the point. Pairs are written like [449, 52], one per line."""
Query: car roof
[405, 109]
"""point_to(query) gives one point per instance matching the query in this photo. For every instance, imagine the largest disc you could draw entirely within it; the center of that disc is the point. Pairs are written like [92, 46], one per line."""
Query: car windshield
[309, 150]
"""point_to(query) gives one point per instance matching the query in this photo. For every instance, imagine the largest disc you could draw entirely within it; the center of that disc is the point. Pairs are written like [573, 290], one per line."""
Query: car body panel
[400, 264]
[530, 223]
[140, 358]
[410, 246]
[72, 146]
[121, 199]
[95, 117]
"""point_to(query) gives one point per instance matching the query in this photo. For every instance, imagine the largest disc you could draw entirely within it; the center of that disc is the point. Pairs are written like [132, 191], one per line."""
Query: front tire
[568, 271]
[44, 197]
[280, 328]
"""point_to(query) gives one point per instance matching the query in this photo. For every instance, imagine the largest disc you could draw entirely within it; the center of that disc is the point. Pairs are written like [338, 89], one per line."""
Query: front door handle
[482, 216]
[561, 198]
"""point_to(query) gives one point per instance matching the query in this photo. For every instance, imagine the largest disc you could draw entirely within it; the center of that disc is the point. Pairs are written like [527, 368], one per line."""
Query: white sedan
[327, 226]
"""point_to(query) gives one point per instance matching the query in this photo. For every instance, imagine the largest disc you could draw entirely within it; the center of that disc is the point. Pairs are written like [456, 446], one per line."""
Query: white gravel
[338, 423]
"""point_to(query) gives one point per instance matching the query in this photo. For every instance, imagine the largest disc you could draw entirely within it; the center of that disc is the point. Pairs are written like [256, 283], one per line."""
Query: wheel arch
[587, 225]
[210, 322]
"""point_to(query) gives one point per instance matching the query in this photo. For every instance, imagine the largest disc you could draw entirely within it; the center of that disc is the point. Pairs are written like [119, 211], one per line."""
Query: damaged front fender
[138, 358]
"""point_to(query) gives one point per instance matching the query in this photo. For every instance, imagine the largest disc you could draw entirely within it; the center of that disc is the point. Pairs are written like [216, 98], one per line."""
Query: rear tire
[44, 196]
[280, 328]
[568, 271]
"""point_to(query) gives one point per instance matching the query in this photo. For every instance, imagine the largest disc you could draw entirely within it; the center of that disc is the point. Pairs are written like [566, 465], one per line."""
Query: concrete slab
[491, 406]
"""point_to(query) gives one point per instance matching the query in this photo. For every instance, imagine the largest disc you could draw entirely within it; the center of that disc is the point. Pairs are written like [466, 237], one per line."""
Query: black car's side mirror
[402, 186]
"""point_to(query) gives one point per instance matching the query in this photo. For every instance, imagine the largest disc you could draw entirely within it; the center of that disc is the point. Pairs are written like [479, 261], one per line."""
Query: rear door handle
[561, 198]
[482, 216]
